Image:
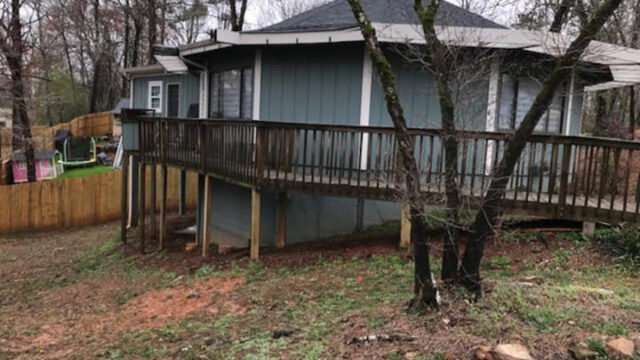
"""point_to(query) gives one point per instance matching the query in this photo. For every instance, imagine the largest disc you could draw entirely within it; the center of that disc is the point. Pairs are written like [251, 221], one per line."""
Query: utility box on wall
[131, 128]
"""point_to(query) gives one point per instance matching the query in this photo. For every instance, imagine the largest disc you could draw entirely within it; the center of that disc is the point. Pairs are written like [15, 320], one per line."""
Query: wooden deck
[565, 177]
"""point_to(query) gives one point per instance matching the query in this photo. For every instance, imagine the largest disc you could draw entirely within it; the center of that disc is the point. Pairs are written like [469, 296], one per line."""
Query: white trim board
[493, 108]
[257, 83]
[365, 104]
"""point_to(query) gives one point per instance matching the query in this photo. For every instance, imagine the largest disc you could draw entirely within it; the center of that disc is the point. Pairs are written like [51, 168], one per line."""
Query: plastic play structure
[78, 151]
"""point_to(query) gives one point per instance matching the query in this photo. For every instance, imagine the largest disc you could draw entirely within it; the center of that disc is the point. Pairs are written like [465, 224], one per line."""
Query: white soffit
[607, 85]
[624, 62]
[172, 64]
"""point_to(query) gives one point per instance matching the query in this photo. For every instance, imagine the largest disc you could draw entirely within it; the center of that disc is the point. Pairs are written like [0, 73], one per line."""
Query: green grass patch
[85, 171]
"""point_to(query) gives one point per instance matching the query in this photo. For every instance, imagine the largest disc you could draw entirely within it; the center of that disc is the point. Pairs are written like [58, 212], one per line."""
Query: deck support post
[255, 223]
[134, 186]
[183, 192]
[124, 199]
[359, 215]
[405, 226]
[200, 209]
[589, 229]
[154, 188]
[206, 231]
[163, 207]
[281, 237]
[142, 204]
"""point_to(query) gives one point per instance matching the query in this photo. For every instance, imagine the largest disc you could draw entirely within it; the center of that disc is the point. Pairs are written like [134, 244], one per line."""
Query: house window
[231, 94]
[516, 97]
[155, 96]
[22, 165]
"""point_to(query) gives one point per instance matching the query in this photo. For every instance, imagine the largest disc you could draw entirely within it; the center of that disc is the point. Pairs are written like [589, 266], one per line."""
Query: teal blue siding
[309, 217]
[189, 91]
[420, 100]
[230, 214]
[319, 84]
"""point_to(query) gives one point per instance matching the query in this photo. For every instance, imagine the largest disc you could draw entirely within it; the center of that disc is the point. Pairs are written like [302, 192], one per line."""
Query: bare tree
[13, 49]
[483, 224]
[425, 291]
[440, 62]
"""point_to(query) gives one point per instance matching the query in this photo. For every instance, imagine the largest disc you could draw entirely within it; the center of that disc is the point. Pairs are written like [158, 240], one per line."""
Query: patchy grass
[127, 309]
[85, 171]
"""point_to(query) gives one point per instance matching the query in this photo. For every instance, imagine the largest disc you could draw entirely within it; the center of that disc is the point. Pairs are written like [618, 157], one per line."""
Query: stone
[483, 353]
[411, 355]
[621, 347]
[581, 351]
[511, 352]
[193, 294]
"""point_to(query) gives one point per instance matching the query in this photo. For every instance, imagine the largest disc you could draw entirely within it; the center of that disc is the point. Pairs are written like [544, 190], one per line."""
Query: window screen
[516, 98]
[231, 94]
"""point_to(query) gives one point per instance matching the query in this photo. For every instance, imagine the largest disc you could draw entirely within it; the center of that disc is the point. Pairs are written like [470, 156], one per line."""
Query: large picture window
[516, 97]
[231, 94]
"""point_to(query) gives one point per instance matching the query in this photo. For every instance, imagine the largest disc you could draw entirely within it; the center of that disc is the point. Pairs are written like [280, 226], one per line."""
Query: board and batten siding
[189, 91]
[419, 97]
[312, 84]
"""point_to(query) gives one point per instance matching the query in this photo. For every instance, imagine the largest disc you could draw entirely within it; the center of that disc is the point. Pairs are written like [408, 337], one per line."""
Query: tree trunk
[13, 49]
[152, 28]
[516, 144]
[126, 46]
[425, 291]
[561, 15]
[237, 20]
[439, 62]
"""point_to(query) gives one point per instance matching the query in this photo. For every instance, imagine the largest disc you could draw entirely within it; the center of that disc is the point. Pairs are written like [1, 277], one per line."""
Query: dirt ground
[79, 294]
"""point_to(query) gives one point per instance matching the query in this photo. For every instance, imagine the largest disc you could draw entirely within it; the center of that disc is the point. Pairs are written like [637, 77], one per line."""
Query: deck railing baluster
[566, 172]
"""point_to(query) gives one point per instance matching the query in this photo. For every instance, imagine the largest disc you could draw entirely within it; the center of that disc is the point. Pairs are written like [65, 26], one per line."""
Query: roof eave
[145, 70]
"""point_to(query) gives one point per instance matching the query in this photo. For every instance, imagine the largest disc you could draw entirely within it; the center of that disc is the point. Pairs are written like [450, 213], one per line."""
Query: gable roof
[337, 15]
[37, 155]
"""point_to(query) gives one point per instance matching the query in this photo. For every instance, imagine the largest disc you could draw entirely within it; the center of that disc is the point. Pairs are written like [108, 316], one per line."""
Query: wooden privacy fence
[96, 124]
[73, 202]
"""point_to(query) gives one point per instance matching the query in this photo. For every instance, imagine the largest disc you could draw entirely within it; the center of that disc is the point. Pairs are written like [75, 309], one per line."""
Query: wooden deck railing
[582, 178]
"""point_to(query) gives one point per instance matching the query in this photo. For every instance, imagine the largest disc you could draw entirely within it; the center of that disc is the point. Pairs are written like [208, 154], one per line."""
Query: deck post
[124, 200]
[163, 207]
[199, 216]
[142, 203]
[206, 231]
[359, 215]
[134, 186]
[183, 192]
[588, 229]
[154, 185]
[255, 223]
[281, 238]
[405, 227]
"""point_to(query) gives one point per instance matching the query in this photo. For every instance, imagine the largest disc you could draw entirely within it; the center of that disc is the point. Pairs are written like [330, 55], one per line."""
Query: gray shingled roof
[37, 155]
[337, 15]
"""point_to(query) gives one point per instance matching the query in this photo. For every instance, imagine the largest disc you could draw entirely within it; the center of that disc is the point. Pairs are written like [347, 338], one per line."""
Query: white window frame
[152, 84]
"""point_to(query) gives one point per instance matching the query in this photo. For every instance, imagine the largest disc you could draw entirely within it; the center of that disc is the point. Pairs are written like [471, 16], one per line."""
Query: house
[276, 88]
[46, 164]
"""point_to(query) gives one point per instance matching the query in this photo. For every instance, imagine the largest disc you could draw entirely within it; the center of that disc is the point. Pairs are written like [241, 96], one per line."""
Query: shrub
[623, 241]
